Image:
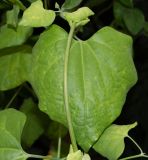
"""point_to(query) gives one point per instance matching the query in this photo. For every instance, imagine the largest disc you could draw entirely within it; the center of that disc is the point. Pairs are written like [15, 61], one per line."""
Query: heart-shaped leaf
[111, 143]
[11, 126]
[37, 16]
[100, 73]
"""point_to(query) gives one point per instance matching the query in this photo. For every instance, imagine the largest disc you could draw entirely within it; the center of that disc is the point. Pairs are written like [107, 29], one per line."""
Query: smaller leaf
[11, 126]
[86, 157]
[111, 143]
[134, 20]
[78, 155]
[75, 156]
[9, 37]
[70, 4]
[35, 124]
[12, 75]
[79, 17]
[119, 10]
[37, 16]
[12, 16]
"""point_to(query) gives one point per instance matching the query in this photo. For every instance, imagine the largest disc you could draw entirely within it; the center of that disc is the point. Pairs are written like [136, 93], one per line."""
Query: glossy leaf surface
[111, 143]
[11, 126]
[37, 16]
[9, 37]
[100, 73]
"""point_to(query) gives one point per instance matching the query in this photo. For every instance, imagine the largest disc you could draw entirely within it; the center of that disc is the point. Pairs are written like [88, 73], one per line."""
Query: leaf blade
[37, 16]
[113, 137]
[10, 147]
[70, 4]
[10, 37]
[12, 74]
[102, 52]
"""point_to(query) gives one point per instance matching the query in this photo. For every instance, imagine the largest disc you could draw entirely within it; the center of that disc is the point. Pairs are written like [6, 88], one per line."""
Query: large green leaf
[100, 73]
[37, 16]
[11, 126]
[9, 37]
[14, 69]
[111, 143]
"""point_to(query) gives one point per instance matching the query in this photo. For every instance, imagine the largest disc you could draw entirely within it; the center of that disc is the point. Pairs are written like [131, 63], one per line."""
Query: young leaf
[86, 157]
[70, 4]
[74, 155]
[35, 124]
[12, 16]
[14, 70]
[134, 20]
[37, 16]
[111, 143]
[9, 37]
[100, 73]
[79, 17]
[11, 126]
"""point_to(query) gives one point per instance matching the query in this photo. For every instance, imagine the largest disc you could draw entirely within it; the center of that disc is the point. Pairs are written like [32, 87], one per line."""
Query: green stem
[30, 90]
[135, 144]
[135, 156]
[59, 143]
[59, 148]
[14, 96]
[39, 156]
[67, 109]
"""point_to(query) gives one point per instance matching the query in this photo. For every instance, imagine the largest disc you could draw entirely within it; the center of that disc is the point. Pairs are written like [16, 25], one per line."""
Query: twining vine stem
[40, 157]
[142, 154]
[66, 101]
